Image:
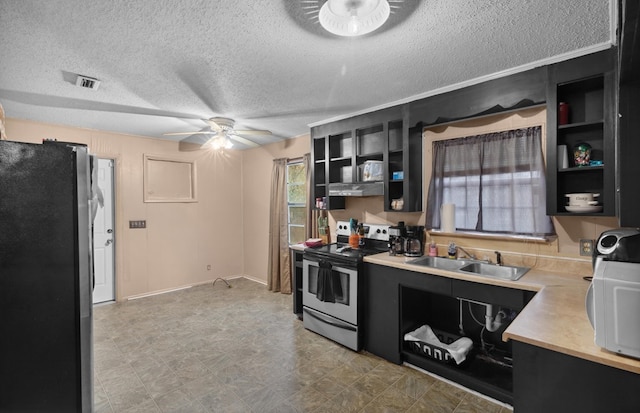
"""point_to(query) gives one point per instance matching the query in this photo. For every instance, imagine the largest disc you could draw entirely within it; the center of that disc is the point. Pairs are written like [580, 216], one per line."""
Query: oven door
[342, 302]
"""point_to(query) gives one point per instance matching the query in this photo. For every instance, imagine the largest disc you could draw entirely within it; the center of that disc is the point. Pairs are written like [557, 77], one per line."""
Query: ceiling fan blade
[191, 133]
[243, 140]
[214, 125]
[252, 132]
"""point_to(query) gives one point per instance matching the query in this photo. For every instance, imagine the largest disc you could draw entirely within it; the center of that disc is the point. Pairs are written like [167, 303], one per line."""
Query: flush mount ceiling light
[353, 17]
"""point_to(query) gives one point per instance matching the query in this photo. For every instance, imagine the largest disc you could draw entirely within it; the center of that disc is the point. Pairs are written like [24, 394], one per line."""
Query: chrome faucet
[498, 258]
[473, 257]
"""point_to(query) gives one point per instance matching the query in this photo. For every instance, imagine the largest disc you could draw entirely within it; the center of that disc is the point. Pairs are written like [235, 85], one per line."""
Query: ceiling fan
[223, 134]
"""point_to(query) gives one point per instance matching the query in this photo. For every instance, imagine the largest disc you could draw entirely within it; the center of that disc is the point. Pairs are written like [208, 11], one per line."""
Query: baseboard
[158, 292]
[184, 287]
[251, 279]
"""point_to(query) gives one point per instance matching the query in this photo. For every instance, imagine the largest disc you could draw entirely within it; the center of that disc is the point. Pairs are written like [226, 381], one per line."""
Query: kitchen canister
[582, 154]
[563, 113]
[448, 218]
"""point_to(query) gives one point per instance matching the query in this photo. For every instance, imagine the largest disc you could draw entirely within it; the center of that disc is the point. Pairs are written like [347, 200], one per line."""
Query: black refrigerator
[46, 278]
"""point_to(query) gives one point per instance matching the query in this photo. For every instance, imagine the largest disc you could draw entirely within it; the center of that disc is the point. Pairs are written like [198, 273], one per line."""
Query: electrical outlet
[586, 247]
[209, 267]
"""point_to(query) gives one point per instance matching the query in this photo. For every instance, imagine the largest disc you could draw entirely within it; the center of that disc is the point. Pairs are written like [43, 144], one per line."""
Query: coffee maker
[414, 241]
[397, 235]
[613, 298]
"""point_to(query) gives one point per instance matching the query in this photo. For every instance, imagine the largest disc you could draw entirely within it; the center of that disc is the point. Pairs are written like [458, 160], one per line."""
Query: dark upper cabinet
[629, 121]
[341, 149]
[595, 87]
[509, 93]
[586, 86]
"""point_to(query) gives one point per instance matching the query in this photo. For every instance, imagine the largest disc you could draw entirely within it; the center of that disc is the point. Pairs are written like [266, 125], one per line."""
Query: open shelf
[587, 86]
[341, 151]
[489, 372]
[480, 375]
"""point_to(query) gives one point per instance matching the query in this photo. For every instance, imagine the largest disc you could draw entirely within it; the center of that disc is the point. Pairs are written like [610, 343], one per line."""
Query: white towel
[458, 349]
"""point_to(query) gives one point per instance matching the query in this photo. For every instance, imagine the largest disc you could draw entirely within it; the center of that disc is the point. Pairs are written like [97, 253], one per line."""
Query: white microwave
[613, 306]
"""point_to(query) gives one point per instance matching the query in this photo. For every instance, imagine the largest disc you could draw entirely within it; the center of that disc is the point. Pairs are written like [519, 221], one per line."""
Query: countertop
[298, 247]
[555, 319]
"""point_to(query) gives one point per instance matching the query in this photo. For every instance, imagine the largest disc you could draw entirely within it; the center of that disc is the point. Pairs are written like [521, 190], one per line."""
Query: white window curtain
[495, 180]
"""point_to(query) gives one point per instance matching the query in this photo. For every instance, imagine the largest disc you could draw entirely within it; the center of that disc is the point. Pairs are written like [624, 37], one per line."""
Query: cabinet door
[548, 381]
[629, 106]
[296, 278]
[381, 313]
[586, 88]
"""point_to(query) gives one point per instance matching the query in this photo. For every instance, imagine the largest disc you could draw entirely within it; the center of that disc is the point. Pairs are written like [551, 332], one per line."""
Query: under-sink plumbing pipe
[493, 323]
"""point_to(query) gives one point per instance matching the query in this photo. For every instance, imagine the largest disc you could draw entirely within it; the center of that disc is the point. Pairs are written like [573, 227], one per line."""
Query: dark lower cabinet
[399, 301]
[382, 313]
[382, 323]
[547, 381]
[296, 280]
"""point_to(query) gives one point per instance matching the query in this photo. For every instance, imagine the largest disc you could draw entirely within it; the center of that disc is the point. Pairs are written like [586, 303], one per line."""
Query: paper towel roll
[563, 157]
[448, 218]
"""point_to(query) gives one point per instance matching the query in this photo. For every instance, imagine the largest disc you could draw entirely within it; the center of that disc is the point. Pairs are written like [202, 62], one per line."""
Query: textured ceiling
[164, 65]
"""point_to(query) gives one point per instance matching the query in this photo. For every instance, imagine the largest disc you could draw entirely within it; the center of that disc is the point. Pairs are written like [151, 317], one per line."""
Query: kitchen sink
[505, 272]
[484, 269]
[440, 263]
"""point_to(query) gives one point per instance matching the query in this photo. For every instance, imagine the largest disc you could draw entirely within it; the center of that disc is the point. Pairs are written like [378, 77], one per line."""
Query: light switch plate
[586, 247]
[138, 224]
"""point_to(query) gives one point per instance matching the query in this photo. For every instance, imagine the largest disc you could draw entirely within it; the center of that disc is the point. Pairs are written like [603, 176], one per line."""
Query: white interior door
[103, 238]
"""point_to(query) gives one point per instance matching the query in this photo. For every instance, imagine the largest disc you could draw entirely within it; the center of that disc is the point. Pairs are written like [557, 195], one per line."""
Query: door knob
[109, 241]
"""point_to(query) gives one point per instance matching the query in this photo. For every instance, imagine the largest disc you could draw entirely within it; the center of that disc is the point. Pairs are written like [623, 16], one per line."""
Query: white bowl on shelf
[584, 209]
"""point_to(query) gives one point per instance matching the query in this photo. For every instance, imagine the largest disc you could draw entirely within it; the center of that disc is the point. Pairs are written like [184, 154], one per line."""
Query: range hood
[356, 189]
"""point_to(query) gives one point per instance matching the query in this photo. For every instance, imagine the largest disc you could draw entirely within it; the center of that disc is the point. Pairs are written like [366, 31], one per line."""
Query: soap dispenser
[433, 249]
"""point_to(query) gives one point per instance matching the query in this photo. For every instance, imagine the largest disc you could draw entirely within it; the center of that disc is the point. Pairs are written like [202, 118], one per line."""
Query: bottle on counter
[452, 250]
[361, 239]
[433, 249]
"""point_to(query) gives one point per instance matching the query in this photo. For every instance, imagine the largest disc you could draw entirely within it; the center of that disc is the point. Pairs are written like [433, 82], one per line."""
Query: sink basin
[440, 263]
[504, 272]
[484, 269]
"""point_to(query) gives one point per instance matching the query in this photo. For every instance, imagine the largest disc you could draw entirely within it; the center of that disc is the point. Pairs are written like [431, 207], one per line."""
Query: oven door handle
[330, 321]
[349, 270]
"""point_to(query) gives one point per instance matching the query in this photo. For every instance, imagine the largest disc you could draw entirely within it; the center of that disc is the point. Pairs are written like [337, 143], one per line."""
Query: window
[296, 201]
[495, 180]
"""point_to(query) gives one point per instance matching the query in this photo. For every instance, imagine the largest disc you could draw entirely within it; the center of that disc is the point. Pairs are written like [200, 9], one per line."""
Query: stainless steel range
[331, 287]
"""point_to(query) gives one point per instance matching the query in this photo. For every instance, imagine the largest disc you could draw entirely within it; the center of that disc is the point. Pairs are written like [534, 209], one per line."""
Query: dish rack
[435, 351]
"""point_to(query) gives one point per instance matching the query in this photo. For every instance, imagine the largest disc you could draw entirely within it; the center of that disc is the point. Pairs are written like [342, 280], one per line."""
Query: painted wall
[229, 225]
[256, 172]
[181, 239]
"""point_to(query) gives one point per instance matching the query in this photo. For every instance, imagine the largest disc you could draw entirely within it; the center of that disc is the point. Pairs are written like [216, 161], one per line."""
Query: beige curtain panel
[312, 214]
[279, 276]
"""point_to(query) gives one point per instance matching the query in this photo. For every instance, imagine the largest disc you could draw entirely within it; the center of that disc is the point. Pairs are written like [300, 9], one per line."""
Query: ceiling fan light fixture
[353, 17]
[221, 142]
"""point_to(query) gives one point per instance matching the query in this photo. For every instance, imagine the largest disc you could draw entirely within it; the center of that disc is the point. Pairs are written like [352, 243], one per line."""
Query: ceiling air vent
[87, 82]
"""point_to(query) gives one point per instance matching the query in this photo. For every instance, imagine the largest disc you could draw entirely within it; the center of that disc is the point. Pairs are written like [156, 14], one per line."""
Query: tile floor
[241, 349]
